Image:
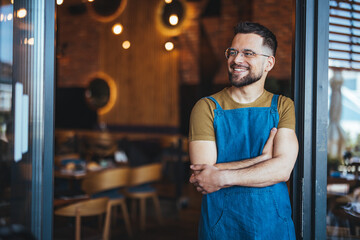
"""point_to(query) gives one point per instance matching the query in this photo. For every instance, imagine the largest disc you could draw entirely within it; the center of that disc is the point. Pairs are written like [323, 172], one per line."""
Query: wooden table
[59, 202]
[71, 175]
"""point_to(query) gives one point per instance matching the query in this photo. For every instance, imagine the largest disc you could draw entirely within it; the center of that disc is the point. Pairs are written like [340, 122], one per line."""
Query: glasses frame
[237, 52]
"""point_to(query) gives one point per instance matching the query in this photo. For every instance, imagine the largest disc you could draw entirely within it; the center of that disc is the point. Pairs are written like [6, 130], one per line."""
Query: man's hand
[267, 152]
[206, 178]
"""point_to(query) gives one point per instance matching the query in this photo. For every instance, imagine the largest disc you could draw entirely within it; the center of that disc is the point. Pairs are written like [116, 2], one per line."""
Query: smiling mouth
[239, 68]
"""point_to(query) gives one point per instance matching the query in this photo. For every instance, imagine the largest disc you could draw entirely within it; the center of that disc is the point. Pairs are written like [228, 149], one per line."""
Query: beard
[244, 81]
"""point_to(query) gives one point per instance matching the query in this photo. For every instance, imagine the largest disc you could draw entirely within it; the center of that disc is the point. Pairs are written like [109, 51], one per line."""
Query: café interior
[127, 78]
[128, 73]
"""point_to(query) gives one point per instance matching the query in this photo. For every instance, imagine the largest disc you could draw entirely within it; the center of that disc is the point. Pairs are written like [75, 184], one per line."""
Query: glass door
[27, 29]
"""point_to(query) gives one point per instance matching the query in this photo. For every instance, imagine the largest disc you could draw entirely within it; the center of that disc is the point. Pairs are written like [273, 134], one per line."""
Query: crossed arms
[274, 165]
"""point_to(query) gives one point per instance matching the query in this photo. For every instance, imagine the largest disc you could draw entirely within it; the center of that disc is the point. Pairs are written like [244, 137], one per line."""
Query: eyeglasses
[232, 52]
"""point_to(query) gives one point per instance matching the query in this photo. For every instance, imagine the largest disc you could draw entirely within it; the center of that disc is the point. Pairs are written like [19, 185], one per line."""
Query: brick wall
[277, 16]
[78, 45]
[274, 14]
[85, 46]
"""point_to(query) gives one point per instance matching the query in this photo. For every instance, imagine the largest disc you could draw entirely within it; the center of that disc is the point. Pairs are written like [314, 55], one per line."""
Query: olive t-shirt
[202, 115]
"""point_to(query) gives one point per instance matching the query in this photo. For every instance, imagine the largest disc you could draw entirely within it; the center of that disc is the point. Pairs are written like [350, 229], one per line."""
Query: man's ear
[270, 62]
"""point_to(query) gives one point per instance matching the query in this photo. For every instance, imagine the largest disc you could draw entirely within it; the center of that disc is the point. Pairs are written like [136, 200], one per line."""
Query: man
[243, 147]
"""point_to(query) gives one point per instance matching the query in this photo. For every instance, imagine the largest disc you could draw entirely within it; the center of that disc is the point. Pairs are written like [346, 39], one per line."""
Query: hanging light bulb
[169, 46]
[117, 28]
[126, 44]
[59, 2]
[173, 19]
[168, 1]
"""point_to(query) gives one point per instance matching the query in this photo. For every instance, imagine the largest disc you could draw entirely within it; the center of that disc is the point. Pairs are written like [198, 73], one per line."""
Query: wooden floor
[179, 222]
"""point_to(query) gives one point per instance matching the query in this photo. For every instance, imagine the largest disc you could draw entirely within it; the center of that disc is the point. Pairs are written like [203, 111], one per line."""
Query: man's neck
[246, 94]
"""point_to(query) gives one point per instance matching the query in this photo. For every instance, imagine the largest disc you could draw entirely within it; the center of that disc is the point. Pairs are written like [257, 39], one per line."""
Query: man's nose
[239, 57]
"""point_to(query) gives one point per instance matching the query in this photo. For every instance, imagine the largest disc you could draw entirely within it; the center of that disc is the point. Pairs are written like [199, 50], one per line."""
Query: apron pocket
[255, 213]
[228, 228]
[280, 212]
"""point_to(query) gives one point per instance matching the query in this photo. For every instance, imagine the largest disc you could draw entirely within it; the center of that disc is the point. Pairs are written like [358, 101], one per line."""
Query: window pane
[343, 188]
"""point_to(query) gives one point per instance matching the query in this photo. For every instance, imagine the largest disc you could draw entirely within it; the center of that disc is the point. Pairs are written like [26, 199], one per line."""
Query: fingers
[201, 190]
[273, 133]
[197, 185]
[192, 179]
[270, 140]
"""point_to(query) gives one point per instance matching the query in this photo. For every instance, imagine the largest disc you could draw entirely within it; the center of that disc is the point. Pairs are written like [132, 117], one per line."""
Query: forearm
[245, 163]
[241, 163]
[263, 174]
[274, 170]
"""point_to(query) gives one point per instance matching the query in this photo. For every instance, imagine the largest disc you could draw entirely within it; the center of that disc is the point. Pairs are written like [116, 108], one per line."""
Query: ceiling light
[173, 19]
[59, 2]
[168, 1]
[126, 44]
[117, 28]
[169, 46]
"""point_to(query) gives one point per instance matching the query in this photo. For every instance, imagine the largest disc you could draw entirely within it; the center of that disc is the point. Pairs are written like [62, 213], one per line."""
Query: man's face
[244, 70]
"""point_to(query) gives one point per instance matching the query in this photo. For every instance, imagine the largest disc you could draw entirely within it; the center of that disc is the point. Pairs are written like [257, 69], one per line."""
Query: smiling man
[243, 146]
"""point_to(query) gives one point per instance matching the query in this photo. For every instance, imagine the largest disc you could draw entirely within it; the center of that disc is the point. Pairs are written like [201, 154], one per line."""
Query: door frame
[310, 86]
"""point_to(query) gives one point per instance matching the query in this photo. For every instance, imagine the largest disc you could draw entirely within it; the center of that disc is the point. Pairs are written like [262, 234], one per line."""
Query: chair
[106, 184]
[99, 145]
[140, 177]
[86, 208]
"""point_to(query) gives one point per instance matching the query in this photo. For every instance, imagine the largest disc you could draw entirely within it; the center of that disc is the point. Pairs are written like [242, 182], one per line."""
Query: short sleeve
[286, 113]
[201, 125]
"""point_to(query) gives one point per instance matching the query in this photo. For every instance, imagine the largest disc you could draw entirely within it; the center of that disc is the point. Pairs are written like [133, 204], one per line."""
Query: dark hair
[256, 28]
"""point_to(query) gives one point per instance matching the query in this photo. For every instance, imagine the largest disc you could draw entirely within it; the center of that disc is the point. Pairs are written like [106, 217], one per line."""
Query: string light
[59, 2]
[90, 0]
[168, 1]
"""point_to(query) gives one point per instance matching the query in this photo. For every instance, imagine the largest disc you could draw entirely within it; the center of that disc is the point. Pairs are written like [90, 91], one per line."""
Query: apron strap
[274, 102]
[217, 104]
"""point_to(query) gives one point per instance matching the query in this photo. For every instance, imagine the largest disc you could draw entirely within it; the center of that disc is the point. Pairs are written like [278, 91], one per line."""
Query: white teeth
[239, 70]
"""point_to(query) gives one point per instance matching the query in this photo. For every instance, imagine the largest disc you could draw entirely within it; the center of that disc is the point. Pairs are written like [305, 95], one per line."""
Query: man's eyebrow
[246, 49]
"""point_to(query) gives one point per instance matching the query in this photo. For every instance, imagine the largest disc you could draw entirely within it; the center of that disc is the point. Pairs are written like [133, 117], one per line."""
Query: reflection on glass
[343, 188]
[6, 60]
[343, 207]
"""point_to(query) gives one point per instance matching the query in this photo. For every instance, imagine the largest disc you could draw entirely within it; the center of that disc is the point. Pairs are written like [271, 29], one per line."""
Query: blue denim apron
[245, 212]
